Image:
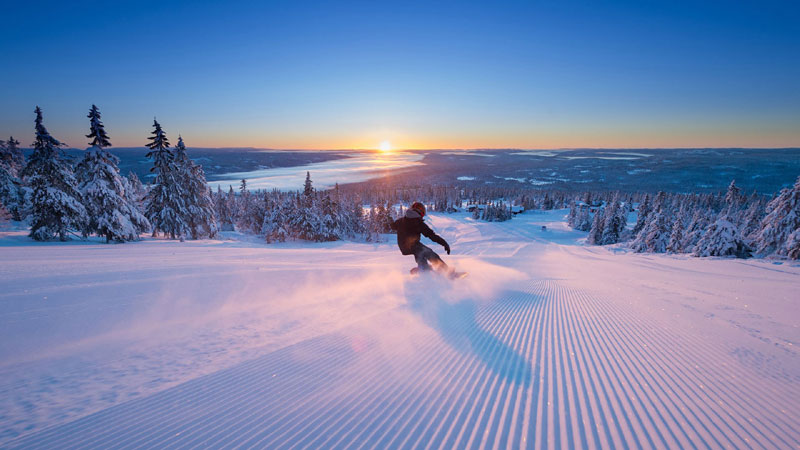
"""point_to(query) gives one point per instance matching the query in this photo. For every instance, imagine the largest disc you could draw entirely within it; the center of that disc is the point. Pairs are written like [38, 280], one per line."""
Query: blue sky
[420, 74]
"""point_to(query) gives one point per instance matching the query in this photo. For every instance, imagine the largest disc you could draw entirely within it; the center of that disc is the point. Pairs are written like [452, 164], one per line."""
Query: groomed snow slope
[546, 344]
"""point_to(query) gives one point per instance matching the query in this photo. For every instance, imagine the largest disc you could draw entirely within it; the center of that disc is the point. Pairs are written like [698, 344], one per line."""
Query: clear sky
[430, 74]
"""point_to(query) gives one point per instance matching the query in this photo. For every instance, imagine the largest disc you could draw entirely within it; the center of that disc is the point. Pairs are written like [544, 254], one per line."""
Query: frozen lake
[358, 167]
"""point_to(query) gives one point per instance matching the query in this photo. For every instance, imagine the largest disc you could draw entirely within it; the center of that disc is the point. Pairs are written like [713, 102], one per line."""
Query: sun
[385, 146]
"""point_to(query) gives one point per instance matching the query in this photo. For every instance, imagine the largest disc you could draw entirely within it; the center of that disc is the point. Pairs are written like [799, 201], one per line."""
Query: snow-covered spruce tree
[733, 202]
[200, 216]
[781, 223]
[793, 245]
[675, 244]
[303, 219]
[56, 207]
[598, 226]
[247, 217]
[374, 225]
[308, 188]
[505, 213]
[383, 219]
[641, 216]
[164, 204]
[573, 213]
[276, 222]
[344, 228]
[352, 218]
[488, 212]
[547, 203]
[12, 194]
[232, 205]
[111, 213]
[696, 228]
[137, 192]
[11, 156]
[615, 220]
[751, 221]
[583, 220]
[654, 237]
[223, 210]
[326, 225]
[97, 131]
[722, 238]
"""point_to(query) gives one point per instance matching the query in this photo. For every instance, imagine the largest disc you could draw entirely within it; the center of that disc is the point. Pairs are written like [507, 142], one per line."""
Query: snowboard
[454, 275]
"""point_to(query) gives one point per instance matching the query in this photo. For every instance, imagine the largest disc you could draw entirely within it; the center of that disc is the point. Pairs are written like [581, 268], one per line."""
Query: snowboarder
[409, 229]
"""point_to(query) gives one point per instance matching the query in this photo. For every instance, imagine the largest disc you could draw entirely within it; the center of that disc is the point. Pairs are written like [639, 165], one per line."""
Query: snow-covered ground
[234, 343]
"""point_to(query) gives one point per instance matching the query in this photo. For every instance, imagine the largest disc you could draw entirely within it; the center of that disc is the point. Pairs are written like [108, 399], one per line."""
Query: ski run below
[233, 343]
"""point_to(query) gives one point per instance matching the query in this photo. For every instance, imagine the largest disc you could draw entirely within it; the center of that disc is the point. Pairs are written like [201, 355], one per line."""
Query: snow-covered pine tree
[696, 228]
[377, 223]
[247, 218]
[56, 207]
[733, 201]
[615, 221]
[164, 204]
[12, 194]
[233, 205]
[11, 156]
[488, 212]
[384, 219]
[303, 219]
[110, 212]
[97, 131]
[308, 188]
[200, 216]
[641, 216]
[354, 217]
[573, 213]
[344, 229]
[675, 244]
[223, 210]
[327, 225]
[598, 226]
[547, 203]
[751, 221]
[137, 192]
[793, 245]
[583, 220]
[654, 237]
[779, 228]
[722, 238]
[276, 222]
[505, 213]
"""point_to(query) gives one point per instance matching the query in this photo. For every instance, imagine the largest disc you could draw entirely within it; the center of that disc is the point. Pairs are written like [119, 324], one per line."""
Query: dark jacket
[409, 229]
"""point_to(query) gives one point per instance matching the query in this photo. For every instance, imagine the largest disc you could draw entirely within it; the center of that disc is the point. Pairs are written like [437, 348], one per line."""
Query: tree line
[58, 199]
[92, 198]
[729, 224]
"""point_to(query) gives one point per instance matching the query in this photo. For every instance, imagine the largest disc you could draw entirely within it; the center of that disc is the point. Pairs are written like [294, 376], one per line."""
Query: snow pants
[427, 259]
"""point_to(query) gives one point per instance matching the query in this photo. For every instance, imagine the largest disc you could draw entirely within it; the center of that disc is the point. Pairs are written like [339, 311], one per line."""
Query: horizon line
[474, 149]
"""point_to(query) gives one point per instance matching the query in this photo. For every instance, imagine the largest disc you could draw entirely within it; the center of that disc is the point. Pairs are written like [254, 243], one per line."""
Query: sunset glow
[385, 146]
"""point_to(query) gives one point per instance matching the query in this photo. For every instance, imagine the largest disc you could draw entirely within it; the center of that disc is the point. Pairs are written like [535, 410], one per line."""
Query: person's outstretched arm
[428, 233]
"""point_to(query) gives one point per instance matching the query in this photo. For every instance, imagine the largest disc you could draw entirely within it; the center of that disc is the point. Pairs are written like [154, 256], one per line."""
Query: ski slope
[236, 344]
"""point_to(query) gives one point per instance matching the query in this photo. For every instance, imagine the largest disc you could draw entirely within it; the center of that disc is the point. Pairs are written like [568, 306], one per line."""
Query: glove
[447, 248]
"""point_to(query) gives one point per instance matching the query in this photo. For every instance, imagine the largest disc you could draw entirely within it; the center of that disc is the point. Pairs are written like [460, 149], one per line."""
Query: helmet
[419, 207]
